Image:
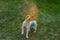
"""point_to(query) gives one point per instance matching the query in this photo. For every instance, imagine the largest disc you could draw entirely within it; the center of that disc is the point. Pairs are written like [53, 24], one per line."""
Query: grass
[11, 18]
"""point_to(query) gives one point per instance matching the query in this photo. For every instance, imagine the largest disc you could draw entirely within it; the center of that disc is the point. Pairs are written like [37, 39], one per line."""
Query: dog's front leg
[22, 30]
[27, 32]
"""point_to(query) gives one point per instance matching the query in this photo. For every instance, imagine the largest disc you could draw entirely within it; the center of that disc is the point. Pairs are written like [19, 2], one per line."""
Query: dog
[29, 23]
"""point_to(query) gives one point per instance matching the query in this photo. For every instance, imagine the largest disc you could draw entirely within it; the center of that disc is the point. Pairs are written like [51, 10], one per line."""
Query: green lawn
[11, 18]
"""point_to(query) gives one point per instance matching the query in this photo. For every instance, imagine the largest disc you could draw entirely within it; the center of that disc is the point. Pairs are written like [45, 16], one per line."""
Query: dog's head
[29, 17]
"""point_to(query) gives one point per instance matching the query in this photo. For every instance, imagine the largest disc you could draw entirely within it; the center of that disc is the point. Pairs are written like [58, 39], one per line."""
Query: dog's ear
[27, 16]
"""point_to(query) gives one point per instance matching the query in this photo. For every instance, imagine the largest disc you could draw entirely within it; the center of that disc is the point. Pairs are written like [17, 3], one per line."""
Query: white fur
[27, 25]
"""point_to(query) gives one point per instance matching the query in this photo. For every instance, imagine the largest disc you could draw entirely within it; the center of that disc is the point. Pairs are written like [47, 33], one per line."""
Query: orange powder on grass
[31, 10]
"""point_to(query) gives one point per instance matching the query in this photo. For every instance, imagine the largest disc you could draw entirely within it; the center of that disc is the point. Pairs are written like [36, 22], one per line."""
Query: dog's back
[33, 23]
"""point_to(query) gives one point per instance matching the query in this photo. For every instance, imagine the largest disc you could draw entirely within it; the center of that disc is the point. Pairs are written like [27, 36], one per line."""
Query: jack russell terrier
[28, 23]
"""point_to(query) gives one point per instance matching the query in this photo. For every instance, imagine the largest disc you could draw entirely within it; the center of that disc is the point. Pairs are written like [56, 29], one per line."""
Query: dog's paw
[27, 37]
[34, 31]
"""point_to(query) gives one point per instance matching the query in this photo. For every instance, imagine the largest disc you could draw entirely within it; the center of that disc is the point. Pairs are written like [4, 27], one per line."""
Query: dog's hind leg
[35, 28]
